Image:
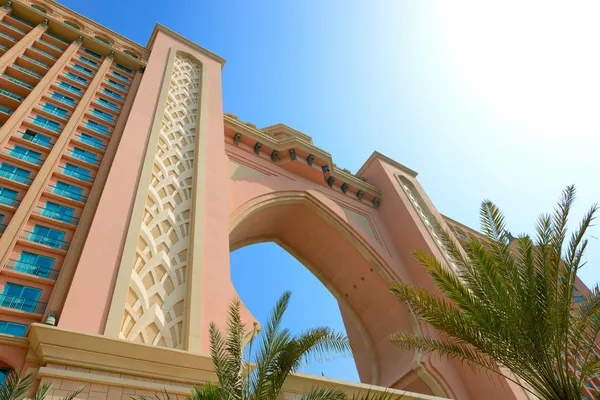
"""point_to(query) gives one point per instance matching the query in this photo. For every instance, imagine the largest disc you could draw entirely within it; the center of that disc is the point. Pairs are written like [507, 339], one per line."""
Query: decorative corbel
[236, 138]
[360, 194]
[257, 147]
[274, 155]
[293, 154]
[344, 187]
[310, 159]
[330, 181]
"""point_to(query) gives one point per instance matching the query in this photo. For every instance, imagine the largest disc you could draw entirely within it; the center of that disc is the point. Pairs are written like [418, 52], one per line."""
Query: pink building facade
[123, 189]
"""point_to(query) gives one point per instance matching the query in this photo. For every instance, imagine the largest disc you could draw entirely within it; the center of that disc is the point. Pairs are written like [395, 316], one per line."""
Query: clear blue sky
[492, 100]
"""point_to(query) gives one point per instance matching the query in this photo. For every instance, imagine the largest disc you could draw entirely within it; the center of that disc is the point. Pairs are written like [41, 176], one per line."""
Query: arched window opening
[262, 272]
[72, 25]
[4, 371]
[103, 40]
[129, 53]
[39, 8]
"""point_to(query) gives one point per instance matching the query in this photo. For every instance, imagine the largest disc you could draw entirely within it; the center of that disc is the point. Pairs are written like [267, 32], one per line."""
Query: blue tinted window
[11, 328]
[70, 191]
[36, 264]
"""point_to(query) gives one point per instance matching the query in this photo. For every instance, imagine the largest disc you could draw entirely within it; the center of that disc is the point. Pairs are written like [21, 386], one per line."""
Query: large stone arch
[305, 223]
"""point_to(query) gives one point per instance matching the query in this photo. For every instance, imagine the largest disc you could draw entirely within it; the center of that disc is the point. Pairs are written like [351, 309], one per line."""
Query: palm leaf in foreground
[16, 387]
[511, 305]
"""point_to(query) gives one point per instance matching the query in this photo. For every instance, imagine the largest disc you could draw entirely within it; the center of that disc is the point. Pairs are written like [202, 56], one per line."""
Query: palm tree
[511, 306]
[16, 387]
[279, 353]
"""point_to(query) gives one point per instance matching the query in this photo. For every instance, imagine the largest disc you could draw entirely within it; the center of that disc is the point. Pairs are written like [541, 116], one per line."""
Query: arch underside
[333, 252]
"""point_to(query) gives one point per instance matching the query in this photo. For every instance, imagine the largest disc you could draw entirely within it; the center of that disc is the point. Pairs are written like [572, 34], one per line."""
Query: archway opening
[262, 272]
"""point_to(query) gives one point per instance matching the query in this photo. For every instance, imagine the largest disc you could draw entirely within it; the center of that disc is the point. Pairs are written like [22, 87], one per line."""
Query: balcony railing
[67, 193]
[113, 95]
[83, 157]
[23, 304]
[46, 125]
[9, 201]
[33, 60]
[6, 110]
[45, 240]
[63, 100]
[104, 116]
[11, 95]
[21, 20]
[76, 174]
[79, 68]
[56, 215]
[97, 128]
[54, 111]
[21, 156]
[58, 38]
[90, 142]
[3, 47]
[44, 53]
[31, 269]
[117, 86]
[107, 104]
[71, 89]
[51, 45]
[4, 35]
[13, 27]
[18, 82]
[34, 139]
[122, 68]
[27, 71]
[16, 177]
[88, 62]
[76, 78]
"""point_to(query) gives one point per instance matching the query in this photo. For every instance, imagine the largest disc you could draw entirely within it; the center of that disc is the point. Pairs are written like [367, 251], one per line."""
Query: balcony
[75, 174]
[42, 67]
[54, 111]
[31, 269]
[93, 142]
[7, 37]
[27, 71]
[71, 89]
[6, 110]
[42, 52]
[96, 128]
[88, 62]
[69, 194]
[15, 177]
[77, 79]
[103, 116]
[117, 86]
[38, 139]
[21, 156]
[45, 240]
[9, 201]
[107, 104]
[17, 81]
[113, 95]
[125, 69]
[13, 28]
[46, 125]
[83, 157]
[21, 20]
[56, 215]
[11, 95]
[57, 38]
[23, 304]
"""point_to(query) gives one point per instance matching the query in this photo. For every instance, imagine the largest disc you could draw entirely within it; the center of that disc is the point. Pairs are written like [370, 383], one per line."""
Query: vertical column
[22, 44]
[72, 314]
[30, 101]
[35, 190]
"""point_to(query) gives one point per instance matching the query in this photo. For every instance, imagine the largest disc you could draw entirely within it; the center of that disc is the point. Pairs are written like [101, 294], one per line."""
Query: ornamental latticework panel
[155, 306]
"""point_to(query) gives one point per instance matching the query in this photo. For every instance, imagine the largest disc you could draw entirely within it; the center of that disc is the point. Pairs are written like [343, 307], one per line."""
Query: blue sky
[484, 100]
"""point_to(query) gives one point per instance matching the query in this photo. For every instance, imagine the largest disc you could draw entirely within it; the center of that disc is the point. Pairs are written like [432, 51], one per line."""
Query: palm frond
[324, 393]
[15, 386]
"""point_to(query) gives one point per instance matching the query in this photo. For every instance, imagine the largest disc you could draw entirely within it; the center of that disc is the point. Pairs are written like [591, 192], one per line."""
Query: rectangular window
[63, 99]
[84, 155]
[52, 109]
[102, 115]
[120, 76]
[92, 141]
[70, 88]
[83, 69]
[70, 191]
[20, 297]
[34, 264]
[38, 138]
[8, 196]
[122, 68]
[108, 104]
[117, 84]
[25, 154]
[93, 125]
[76, 78]
[58, 212]
[91, 53]
[87, 61]
[112, 94]
[46, 123]
[14, 173]
[48, 236]
[11, 328]
[76, 172]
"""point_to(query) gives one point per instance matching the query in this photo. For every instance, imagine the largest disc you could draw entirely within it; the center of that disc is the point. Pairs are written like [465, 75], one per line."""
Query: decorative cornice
[377, 155]
[14, 340]
[184, 40]
[298, 146]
